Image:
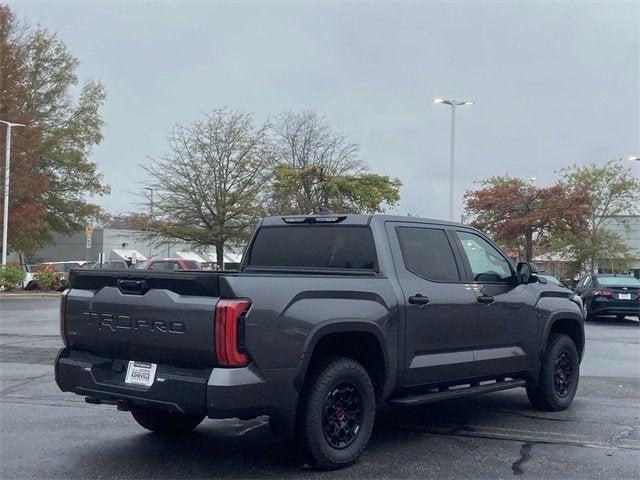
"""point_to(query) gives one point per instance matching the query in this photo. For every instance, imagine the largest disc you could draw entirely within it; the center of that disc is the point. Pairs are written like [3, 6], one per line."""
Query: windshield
[552, 279]
[619, 282]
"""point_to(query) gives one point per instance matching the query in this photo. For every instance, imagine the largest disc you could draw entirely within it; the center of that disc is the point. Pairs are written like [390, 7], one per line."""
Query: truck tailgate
[143, 316]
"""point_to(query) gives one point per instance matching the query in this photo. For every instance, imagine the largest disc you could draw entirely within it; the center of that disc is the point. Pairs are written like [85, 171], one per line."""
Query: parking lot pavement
[48, 434]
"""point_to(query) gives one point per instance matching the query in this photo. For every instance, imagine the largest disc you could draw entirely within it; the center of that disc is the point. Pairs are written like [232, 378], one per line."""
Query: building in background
[121, 244]
[628, 227]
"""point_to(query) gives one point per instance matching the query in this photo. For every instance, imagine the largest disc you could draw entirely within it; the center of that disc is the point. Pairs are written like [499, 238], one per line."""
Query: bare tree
[208, 189]
[309, 155]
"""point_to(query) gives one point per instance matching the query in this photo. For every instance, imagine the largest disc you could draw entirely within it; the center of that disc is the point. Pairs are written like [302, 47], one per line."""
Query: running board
[456, 393]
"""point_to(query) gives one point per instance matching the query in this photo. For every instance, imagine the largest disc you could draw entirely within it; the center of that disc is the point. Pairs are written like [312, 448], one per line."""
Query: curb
[29, 296]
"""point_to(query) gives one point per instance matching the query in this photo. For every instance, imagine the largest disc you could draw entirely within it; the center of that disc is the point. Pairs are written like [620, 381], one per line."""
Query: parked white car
[28, 282]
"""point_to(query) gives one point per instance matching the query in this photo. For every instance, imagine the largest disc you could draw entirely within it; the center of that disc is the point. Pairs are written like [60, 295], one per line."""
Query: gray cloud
[555, 83]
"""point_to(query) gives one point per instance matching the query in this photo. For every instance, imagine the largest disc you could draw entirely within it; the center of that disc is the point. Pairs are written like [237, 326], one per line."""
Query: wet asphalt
[48, 434]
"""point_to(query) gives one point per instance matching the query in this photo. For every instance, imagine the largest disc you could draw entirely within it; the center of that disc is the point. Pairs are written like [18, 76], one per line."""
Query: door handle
[418, 299]
[485, 299]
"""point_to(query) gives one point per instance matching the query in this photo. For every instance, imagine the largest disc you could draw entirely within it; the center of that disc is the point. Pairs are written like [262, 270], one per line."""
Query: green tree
[613, 193]
[364, 192]
[209, 188]
[317, 167]
[52, 175]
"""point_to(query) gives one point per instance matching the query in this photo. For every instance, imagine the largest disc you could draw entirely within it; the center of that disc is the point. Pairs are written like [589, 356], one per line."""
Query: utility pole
[7, 170]
[150, 214]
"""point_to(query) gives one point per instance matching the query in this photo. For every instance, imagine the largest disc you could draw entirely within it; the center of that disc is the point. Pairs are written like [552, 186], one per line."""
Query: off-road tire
[166, 422]
[328, 376]
[545, 395]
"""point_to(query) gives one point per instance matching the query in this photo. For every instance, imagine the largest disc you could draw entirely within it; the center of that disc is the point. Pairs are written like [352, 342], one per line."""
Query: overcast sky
[555, 84]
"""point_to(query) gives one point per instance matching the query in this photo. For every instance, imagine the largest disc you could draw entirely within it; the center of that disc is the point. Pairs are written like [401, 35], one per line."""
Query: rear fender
[329, 327]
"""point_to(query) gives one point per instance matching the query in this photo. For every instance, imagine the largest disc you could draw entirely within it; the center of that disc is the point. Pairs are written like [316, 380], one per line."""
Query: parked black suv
[328, 317]
[607, 294]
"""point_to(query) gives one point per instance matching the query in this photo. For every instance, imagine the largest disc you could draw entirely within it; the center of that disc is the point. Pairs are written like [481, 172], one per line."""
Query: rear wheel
[559, 375]
[337, 412]
[166, 422]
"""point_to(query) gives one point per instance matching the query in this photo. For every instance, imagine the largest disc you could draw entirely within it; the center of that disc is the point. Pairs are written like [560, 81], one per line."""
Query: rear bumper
[615, 307]
[214, 392]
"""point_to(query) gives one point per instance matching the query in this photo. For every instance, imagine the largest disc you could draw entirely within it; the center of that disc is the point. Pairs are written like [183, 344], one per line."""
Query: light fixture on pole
[7, 169]
[453, 104]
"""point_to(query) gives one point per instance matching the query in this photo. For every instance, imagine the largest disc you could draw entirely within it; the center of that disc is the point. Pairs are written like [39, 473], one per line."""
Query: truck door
[440, 309]
[507, 328]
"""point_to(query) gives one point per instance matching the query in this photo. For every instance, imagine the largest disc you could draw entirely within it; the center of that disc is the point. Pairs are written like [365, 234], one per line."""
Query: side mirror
[526, 273]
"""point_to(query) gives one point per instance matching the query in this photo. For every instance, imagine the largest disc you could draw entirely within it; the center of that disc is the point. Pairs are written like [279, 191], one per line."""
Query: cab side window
[487, 263]
[427, 253]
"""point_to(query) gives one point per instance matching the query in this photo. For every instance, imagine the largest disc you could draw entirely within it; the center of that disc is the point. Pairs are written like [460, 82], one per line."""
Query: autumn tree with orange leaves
[51, 172]
[523, 216]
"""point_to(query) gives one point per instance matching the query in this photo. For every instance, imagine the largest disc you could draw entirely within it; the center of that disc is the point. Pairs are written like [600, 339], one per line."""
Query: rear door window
[315, 247]
[427, 253]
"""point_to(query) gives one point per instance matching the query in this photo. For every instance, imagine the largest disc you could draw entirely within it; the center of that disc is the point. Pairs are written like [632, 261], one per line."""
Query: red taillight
[603, 293]
[63, 308]
[229, 314]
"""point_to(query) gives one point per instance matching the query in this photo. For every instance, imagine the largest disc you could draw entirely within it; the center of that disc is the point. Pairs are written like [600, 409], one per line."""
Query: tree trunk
[528, 248]
[220, 255]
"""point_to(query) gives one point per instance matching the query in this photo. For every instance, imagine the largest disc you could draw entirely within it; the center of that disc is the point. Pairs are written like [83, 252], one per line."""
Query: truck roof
[349, 219]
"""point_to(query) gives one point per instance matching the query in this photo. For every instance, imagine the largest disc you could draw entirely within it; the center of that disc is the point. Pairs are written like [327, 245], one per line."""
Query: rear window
[314, 246]
[619, 282]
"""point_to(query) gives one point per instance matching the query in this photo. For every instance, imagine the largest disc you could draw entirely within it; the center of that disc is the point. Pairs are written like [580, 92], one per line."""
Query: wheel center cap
[341, 413]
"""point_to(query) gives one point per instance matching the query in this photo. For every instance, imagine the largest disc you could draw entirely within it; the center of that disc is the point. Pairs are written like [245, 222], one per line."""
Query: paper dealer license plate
[140, 373]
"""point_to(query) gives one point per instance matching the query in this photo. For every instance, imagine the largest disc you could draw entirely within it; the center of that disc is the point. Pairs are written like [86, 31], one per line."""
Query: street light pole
[452, 160]
[7, 170]
[453, 104]
[150, 213]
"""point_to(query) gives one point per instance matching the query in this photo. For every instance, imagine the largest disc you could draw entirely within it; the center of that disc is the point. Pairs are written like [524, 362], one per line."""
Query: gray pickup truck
[328, 317]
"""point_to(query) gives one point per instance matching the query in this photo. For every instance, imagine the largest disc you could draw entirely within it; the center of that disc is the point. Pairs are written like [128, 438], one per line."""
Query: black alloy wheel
[563, 375]
[342, 417]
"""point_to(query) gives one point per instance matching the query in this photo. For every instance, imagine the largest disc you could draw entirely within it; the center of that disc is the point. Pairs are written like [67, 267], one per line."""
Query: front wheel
[337, 412]
[559, 375]
[166, 422]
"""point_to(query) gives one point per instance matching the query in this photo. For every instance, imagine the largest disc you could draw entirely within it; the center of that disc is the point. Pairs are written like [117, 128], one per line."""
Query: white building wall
[628, 227]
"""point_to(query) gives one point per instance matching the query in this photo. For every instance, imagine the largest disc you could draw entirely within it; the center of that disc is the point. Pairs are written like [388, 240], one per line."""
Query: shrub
[10, 277]
[63, 283]
[45, 278]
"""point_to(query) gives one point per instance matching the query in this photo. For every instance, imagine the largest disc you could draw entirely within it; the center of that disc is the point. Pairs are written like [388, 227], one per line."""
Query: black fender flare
[562, 315]
[348, 326]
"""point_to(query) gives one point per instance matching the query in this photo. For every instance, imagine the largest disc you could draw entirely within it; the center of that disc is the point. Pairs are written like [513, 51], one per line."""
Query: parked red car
[168, 265]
